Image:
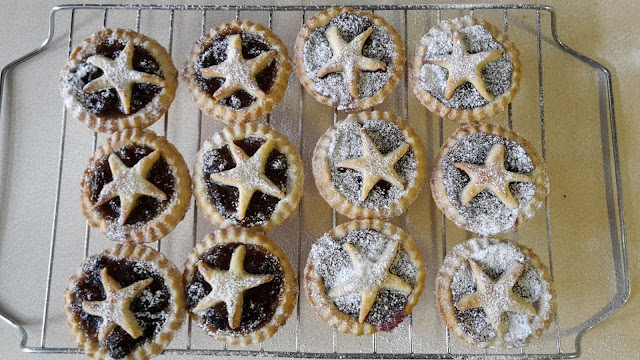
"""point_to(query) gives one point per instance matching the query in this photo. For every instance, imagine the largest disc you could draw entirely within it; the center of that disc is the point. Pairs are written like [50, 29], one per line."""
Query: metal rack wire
[618, 237]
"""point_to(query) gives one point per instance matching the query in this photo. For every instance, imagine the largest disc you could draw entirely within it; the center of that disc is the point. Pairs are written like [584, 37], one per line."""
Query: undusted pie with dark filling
[495, 293]
[364, 276]
[488, 179]
[349, 59]
[238, 72]
[239, 285]
[370, 165]
[465, 70]
[125, 303]
[248, 175]
[136, 188]
[118, 79]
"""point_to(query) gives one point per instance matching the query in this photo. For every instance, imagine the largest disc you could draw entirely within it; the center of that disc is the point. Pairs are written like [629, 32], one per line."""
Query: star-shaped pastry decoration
[129, 183]
[237, 72]
[496, 296]
[115, 308]
[229, 286]
[370, 278]
[374, 166]
[119, 74]
[465, 67]
[493, 176]
[248, 175]
[348, 58]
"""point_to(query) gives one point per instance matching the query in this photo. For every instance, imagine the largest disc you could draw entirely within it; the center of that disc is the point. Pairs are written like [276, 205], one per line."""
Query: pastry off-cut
[118, 79]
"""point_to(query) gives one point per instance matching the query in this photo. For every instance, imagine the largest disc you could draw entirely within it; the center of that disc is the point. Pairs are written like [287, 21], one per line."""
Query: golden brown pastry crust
[322, 19]
[164, 222]
[260, 107]
[173, 282]
[289, 293]
[538, 174]
[140, 119]
[295, 173]
[498, 104]
[461, 253]
[322, 171]
[324, 305]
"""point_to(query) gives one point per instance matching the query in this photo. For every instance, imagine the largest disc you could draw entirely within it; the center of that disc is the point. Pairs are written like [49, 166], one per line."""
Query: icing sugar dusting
[485, 213]
[317, 52]
[347, 144]
[333, 264]
[496, 74]
[495, 259]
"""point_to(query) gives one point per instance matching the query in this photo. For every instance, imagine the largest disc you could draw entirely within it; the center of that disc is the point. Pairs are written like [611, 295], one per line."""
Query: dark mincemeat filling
[225, 197]
[147, 207]
[216, 53]
[259, 303]
[106, 102]
[150, 312]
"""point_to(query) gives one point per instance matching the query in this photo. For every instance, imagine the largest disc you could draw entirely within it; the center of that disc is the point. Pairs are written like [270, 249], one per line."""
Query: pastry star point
[248, 176]
[229, 286]
[374, 166]
[119, 73]
[238, 73]
[463, 67]
[496, 296]
[370, 278]
[115, 308]
[129, 183]
[491, 175]
[348, 58]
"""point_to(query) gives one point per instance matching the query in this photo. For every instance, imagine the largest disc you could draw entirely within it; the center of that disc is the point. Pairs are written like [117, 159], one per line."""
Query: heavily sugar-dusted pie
[118, 79]
[495, 293]
[248, 175]
[364, 276]
[239, 285]
[488, 179]
[125, 303]
[136, 188]
[349, 59]
[370, 165]
[238, 72]
[465, 70]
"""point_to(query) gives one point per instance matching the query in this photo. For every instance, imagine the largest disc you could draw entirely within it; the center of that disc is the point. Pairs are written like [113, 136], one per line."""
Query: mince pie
[248, 175]
[495, 293]
[118, 79]
[349, 59]
[238, 72]
[465, 70]
[125, 303]
[136, 188]
[488, 179]
[240, 286]
[370, 165]
[364, 276]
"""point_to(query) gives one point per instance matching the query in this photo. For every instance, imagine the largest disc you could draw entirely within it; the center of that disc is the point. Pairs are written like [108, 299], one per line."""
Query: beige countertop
[606, 31]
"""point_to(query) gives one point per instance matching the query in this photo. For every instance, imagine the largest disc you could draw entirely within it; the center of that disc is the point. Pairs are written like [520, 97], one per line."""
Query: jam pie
[488, 179]
[125, 303]
[494, 293]
[118, 79]
[248, 175]
[465, 70]
[238, 72]
[136, 188]
[369, 165]
[349, 59]
[364, 276]
[240, 286]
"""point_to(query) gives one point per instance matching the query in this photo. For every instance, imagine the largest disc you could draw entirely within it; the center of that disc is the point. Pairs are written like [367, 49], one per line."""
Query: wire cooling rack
[585, 297]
